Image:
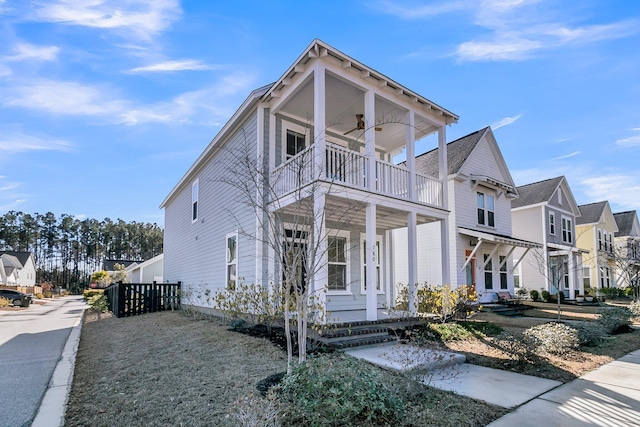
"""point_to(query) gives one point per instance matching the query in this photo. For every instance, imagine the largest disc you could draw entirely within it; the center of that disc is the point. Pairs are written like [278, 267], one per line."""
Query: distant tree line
[67, 249]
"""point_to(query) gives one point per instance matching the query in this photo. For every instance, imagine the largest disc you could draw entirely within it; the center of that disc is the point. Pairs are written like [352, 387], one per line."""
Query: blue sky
[105, 104]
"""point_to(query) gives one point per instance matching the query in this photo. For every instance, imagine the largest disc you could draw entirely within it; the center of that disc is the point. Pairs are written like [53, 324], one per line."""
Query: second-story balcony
[348, 168]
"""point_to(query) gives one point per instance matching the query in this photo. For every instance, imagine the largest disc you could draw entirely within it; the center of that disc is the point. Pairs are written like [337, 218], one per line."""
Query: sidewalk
[608, 396]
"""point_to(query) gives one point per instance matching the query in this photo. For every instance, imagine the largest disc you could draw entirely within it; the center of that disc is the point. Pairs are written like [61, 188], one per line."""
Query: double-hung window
[337, 256]
[231, 273]
[567, 230]
[600, 244]
[488, 272]
[194, 201]
[486, 209]
[552, 223]
[503, 272]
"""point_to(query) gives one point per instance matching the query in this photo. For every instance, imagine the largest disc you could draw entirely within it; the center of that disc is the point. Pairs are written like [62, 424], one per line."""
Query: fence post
[120, 300]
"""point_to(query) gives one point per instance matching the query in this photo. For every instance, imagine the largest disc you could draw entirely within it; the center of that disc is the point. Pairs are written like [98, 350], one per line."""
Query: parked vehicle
[18, 299]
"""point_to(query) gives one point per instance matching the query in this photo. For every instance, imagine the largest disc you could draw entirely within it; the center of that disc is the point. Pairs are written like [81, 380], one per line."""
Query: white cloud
[66, 98]
[141, 18]
[18, 143]
[171, 66]
[26, 51]
[567, 156]
[418, 11]
[619, 189]
[12, 205]
[632, 141]
[505, 122]
[497, 50]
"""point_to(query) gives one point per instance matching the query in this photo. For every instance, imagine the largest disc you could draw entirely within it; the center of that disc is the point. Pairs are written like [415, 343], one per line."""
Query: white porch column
[412, 258]
[411, 153]
[571, 265]
[320, 264]
[272, 269]
[370, 139]
[319, 119]
[442, 165]
[370, 251]
[446, 254]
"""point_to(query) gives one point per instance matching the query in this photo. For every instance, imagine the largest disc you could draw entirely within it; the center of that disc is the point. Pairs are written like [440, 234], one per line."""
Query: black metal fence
[130, 299]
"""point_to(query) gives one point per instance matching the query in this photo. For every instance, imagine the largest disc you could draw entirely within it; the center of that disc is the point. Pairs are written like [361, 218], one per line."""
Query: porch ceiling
[344, 100]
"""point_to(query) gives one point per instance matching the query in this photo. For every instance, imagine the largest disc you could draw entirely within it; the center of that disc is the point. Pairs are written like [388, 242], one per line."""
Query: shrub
[589, 333]
[4, 302]
[443, 301]
[521, 295]
[338, 390]
[634, 307]
[535, 295]
[614, 318]
[47, 294]
[516, 347]
[553, 338]
[255, 411]
[546, 296]
[99, 303]
[39, 296]
[463, 330]
[609, 292]
[88, 293]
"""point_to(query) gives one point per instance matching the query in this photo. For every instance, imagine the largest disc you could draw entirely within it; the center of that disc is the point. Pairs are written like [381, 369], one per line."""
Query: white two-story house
[321, 140]
[546, 213]
[595, 230]
[480, 191]
[627, 245]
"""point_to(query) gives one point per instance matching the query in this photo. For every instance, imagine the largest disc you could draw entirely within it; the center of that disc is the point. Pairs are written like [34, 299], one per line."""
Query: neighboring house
[595, 228]
[19, 268]
[546, 213]
[325, 133]
[627, 242]
[481, 191]
[148, 271]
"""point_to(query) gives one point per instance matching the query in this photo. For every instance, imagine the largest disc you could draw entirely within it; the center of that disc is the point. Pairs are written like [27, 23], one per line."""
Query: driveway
[31, 343]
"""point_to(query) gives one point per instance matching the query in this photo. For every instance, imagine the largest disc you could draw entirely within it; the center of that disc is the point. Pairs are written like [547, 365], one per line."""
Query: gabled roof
[23, 257]
[11, 261]
[537, 192]
[625, 221]
[591, 213]
[458, 152]
[109, 264]
[140, 264]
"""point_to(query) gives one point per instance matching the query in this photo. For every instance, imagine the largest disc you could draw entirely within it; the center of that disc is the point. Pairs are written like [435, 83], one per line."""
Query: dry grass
[167, 369]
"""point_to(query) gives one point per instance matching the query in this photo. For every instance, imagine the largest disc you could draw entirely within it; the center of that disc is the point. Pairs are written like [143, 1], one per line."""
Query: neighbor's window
[488, 272]
[194, 201]
[567, 230]
[486, 209]
[552, 223]
[232, 260]
[516, 276]
[295, 143]
[600, 245]
[503, 273]
[586, 277]
[365, 258]
[337, 247]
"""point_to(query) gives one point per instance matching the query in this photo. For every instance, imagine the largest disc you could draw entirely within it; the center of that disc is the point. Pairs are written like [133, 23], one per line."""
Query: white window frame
[600, 244]
[586, 277]
[486, 271]
[567, 229]
[552, 223]
[290, 126]
[517, 272]
[363, 263]
[195, 195]
[347, 256]
[502, 272]
[485, 209]
[230, 261]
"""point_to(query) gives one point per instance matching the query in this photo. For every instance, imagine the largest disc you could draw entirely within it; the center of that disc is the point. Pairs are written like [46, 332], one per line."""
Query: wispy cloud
[505, 122]
[632, 141]
[11, 205]
[622, 190]
[11, 143]
[172, 66]
[26, 51]
[566, 156]
[141, 18]
[414, 10]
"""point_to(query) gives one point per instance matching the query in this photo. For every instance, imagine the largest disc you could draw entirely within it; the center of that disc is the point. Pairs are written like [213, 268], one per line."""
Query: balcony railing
[350, 168]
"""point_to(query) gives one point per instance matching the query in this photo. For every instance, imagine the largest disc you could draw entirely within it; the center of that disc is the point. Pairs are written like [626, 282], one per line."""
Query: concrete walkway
[608, 396]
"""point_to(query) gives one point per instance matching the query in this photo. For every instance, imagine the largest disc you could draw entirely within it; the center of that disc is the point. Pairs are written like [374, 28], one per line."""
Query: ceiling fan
[360, 125]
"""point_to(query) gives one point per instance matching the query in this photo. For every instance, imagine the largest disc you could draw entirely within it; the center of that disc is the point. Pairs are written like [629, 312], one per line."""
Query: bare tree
[555, 270]
[625, 257]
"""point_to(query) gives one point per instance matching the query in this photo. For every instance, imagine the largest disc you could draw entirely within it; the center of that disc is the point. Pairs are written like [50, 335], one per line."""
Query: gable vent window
[486, 209]
[194, 201]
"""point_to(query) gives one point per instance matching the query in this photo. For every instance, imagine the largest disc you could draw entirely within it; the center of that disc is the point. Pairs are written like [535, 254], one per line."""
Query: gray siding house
[546, 213]
[321, 140]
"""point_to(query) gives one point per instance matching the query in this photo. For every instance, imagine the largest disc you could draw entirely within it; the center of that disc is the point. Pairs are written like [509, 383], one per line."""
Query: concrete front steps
[504, 309]
[350, 335]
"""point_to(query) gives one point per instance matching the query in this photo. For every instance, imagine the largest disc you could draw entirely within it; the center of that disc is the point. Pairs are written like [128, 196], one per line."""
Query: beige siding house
[627, 242]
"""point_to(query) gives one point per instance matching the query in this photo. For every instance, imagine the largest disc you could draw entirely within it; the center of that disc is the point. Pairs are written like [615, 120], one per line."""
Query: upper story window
[486, 209]
[560, 197]
[194, 201]
[232, 260]
[295, 143]
[567, 230]
[600, 242]
[552, 223]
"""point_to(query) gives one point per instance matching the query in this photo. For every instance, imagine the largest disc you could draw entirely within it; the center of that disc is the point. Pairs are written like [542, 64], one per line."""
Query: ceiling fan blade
[354, 129]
